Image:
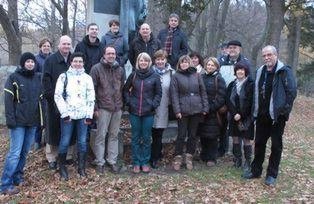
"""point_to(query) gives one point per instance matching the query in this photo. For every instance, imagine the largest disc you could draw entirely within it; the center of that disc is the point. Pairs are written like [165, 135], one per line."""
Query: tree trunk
[276, 21]
[294, 42]
[9, 23]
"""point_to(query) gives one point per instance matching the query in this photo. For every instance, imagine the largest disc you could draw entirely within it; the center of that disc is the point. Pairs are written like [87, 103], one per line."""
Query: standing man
[144, 42]
[108, 78]
[54, 65]
[173, 40]
[275, 91]
[91, 47]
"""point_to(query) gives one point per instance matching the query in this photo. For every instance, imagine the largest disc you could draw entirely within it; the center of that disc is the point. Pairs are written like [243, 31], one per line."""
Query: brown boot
[189, 161]
[177, 162]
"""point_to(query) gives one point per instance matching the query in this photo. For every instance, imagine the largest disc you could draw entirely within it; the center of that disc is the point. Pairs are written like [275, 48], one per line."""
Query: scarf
[168, 43]
[239, 85]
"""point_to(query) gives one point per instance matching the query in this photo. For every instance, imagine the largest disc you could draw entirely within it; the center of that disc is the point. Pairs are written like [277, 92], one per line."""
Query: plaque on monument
[107, 6]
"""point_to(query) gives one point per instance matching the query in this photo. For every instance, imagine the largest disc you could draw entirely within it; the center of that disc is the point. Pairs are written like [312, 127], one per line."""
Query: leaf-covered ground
[219, 184]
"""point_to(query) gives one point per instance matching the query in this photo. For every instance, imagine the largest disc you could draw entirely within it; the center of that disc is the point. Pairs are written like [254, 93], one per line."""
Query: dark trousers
[224, 136]
[265, 128]
[187, 126]
[156, 143]
[209, 149]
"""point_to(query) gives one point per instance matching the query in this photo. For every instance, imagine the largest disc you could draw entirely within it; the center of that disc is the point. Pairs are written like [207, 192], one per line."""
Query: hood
[86, 40]
[25, 72]
[114, 35]
[190, 70]
[105, 64]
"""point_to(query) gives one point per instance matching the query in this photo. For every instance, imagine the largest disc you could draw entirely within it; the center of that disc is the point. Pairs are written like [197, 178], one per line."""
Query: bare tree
[62, 7]
[10, 25]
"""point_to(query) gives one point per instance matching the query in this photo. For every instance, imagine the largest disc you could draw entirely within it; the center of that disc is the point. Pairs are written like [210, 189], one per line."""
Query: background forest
[286, 24]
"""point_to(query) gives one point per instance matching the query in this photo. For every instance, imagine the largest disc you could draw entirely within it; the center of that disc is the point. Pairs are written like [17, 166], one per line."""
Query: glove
[88, 121]
[67, 119]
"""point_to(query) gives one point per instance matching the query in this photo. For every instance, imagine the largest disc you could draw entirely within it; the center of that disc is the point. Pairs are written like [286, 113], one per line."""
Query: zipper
[141, 98]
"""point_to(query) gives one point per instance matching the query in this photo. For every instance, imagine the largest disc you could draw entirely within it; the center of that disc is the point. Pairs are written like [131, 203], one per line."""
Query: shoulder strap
[65, 84]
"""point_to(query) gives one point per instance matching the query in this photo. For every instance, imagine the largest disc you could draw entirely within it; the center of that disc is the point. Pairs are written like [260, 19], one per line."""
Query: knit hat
[234, 42]
[25, 56]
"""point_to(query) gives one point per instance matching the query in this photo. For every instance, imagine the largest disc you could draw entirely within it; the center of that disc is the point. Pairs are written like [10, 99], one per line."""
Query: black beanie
[25, 56]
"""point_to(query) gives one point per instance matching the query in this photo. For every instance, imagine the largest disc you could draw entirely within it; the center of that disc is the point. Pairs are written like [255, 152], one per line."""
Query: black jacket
[241, 104]
[216, 93]
[138, 45]
[92, 51]
[53, 67]
[188, 93]
[142, 92]
[23, 98]
[179, 44]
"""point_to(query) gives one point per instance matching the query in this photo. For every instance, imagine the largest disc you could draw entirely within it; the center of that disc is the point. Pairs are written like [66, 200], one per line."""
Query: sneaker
[145, 169]
[249, 175]
[270, 181]
[100, 169]
[52, 165]
[114, 168]
[136, 169]
[10, 191]
[210, 163]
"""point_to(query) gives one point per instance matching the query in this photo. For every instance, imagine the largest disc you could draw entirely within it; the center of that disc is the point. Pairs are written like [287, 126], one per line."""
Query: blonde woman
[142, 93]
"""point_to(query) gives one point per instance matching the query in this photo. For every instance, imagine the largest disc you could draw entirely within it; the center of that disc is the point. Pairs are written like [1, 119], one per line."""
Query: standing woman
[74, 97]
[197, 62]
[240, 101]
[44, 52]
[165, 71]
[210, 129]
[189, 102]
[22, 97]
[142, 93]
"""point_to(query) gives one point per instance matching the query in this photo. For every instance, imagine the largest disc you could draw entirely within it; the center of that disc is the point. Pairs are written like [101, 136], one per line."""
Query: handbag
[242, 127]
[223, 109]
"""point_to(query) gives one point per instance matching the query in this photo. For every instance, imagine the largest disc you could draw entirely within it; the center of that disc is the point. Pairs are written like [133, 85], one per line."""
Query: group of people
[207, 98]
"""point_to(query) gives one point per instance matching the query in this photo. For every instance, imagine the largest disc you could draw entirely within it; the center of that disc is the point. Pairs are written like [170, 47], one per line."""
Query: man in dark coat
[275, 91]
[55, 64]
[145, 42]
[91, 47]
[173, 40]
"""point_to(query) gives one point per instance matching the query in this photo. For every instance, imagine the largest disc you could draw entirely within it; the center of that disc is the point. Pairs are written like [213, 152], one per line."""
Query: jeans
[67, 129]
[141, 138]
[21, 139]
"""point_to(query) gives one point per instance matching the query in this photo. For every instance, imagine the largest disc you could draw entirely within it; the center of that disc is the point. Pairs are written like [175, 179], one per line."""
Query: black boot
[81, 164]
[248, 157]
[62, 168]
[237, 153]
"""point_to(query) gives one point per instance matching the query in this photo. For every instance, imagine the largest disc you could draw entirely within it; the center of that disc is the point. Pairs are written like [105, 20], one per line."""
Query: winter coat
[78, 99]
[53, 67]
[22, 99]
[142, 92]
[227, 67]
[284, 92]
[179, 44]
[216, 93]
[92, 51]
[108, 83]
[40, 60]
[138, 45]
[188, 93]
[161, 116]
[119, 43]
[243, 105]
